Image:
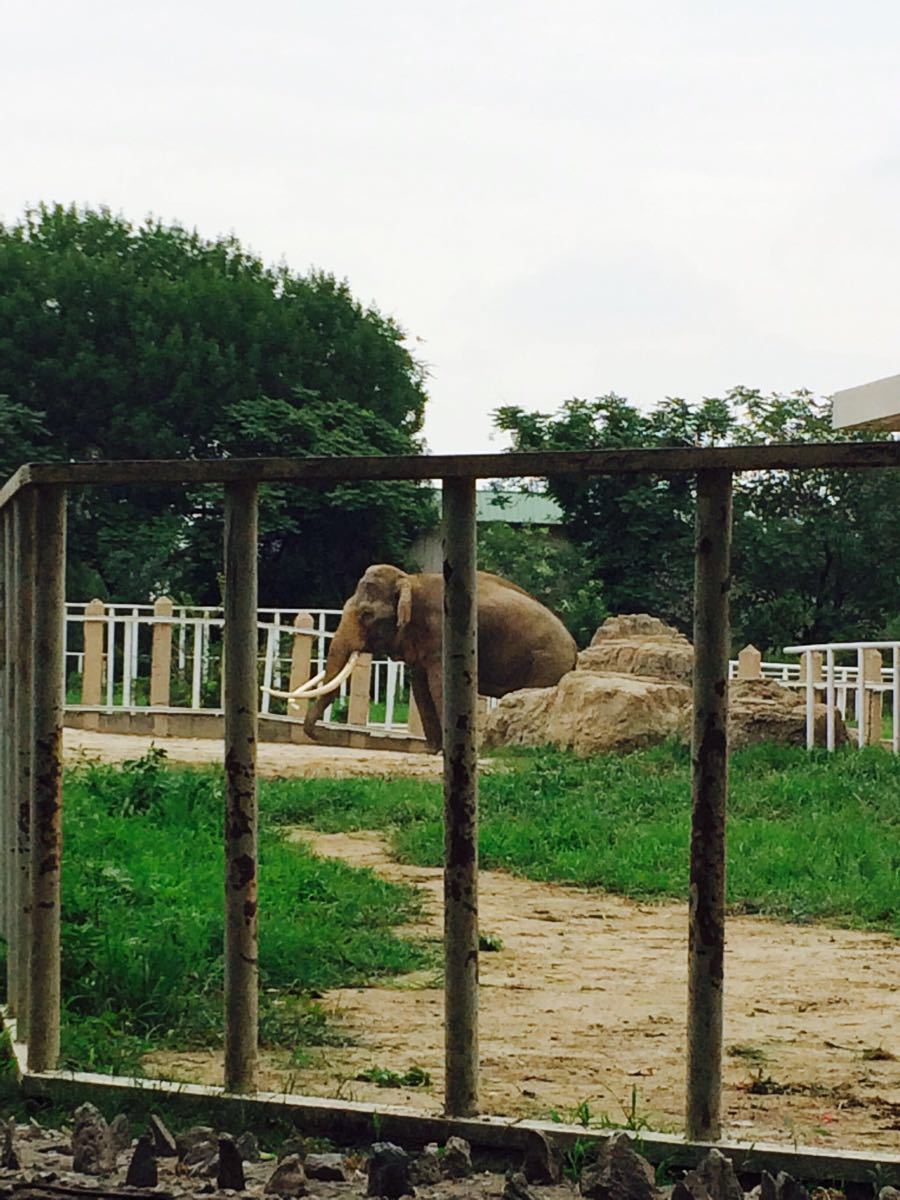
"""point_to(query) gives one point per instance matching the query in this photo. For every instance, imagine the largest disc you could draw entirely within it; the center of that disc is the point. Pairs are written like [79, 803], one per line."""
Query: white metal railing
[868, 679]
[196, 657]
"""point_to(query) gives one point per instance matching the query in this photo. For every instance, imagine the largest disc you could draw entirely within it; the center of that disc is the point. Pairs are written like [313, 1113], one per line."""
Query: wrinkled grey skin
[520, 642]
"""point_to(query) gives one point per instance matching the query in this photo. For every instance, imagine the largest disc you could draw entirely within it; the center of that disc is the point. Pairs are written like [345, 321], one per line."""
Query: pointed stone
[248, 1147]
[326, 1167]
[120, 1133]
[164, 1145]
[142, 1172]
[92, 1151]
[457, 1160]
[516, 1187]
[288, 1178]
[543, 1159]
[10, 1158]
[186, 1140]
[231, 1168]
[389, 1172]
[615, 1171]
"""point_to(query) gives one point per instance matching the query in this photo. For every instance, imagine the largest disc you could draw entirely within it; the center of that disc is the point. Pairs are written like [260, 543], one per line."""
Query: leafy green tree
[816, 554]
[122, 341]
[550, 567]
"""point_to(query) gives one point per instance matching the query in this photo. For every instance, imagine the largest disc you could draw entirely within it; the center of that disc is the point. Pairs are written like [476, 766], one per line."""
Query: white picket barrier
[196, 661]
[827, 681]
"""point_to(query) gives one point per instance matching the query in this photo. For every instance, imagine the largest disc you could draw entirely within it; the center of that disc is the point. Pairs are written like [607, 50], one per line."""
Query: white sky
[560, 197]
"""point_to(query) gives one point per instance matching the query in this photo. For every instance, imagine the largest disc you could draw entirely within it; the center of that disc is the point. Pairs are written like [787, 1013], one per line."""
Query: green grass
[142, 955]
[810, 836]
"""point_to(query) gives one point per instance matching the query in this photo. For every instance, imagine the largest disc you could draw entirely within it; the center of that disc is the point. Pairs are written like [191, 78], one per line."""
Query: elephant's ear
[404, 604]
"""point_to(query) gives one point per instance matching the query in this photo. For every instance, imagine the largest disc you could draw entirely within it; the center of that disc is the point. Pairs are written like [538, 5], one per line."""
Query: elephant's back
[521, 643]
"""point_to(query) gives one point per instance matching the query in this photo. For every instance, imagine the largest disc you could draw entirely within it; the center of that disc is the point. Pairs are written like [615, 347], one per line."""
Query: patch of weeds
[574, 1157]
[883, 1177]
[746, 1051]
[877, 1054]
[490, 942]
[386, 1078]
[765, 1085]
[666, 1173]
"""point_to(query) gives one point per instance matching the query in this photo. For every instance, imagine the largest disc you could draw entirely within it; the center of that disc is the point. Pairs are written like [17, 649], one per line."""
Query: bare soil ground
[585, 1002]
[273, 758]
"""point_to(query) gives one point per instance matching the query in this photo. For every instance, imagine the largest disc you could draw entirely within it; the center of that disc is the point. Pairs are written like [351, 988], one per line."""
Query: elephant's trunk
[348, 637]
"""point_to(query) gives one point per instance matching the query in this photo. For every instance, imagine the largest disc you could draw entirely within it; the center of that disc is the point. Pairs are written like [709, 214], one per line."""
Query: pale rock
[638, 644]
[761, 710]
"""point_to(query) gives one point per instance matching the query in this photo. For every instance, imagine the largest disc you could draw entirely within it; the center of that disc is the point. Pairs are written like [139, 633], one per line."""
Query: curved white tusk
[297, 693]
[310, 683]
[324, 688]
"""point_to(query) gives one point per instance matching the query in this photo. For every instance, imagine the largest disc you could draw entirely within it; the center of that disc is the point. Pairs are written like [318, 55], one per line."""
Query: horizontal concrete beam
[352, 1122]
[328, 471]
[871, 405]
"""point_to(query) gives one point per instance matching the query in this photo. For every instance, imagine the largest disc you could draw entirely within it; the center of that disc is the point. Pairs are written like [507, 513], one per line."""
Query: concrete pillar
[414, 720]
[460, 676]
[47, 793]
[817, 659]
[92, 673]
[749, 663]
[301, 657]
[360, 686]
[161, 654]
[709, 754]
[241, 816]
[872, 664]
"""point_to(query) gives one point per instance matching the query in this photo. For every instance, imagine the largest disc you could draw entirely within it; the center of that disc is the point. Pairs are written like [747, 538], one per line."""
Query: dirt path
[584, 1004]
[274, 758]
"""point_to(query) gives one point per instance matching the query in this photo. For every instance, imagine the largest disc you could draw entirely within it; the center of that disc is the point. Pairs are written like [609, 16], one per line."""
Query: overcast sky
[558, 198]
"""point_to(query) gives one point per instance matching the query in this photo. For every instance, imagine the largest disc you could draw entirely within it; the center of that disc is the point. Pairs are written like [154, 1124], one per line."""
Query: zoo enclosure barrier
[851, 688]
[867, 682]
[32, 531]
[167, 658]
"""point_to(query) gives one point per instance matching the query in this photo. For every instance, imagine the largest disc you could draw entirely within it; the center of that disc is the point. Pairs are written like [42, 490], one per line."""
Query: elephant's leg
[429, 711]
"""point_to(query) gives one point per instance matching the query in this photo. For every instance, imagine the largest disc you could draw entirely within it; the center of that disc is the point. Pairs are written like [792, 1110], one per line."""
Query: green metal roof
[517, 508]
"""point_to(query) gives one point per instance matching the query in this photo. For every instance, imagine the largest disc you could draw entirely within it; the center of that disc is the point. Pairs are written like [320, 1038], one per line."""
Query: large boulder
[591, 713]
[761, 710]
[638, 644]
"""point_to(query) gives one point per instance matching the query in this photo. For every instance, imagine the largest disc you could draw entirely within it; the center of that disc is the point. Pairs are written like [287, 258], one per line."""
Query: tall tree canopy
[122, 341]
[816, 554]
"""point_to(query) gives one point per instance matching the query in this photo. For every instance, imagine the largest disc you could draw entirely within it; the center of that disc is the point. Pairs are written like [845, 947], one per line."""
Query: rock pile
[206, 1162]
[631, 689]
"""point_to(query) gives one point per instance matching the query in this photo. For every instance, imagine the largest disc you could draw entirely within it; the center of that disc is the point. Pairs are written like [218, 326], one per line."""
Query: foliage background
[122, 341]
[816, 553]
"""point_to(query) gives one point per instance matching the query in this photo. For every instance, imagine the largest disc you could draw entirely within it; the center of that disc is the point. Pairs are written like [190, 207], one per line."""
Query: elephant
[521, 643]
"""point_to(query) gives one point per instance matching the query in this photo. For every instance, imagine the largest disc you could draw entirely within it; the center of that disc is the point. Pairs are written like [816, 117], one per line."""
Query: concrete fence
[167, 659]
[32, 679]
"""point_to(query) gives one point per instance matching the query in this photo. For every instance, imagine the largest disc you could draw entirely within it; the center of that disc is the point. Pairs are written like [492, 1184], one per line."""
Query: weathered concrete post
[161, 653]
[414, 720]
[92, 671]
[749, 663]
[460, 674]
[24, 579]
[813, 671]
[872, 664]
[709, 753]
[241, 705]
[46, 813]
[360, 687]
[8, 734]
[161, 663]
[301, 657]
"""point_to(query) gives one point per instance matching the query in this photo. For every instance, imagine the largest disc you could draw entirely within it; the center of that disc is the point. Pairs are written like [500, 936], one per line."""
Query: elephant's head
[375, 614]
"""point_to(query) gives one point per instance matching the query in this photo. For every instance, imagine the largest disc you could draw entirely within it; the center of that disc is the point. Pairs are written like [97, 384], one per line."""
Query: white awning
[876, 405]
